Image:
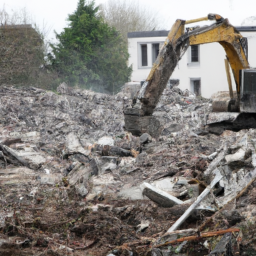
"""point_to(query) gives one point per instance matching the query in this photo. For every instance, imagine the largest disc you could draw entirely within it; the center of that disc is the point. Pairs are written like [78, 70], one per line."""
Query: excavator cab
[248, 91]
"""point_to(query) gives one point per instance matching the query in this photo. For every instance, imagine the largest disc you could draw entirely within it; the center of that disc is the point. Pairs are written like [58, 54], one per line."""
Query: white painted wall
[141, 73]
[211, 68]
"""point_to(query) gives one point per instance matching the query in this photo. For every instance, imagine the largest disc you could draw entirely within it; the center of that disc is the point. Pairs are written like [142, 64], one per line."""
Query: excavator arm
[139, 115]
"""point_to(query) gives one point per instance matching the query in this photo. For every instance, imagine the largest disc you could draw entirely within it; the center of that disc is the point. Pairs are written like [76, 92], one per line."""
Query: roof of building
[164, 33]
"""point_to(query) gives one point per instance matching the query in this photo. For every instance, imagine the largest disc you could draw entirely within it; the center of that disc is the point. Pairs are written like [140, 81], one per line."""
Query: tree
[90, 53]
[129, 16]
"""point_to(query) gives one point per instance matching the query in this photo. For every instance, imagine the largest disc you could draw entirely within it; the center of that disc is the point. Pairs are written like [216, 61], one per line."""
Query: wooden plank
[202, 235]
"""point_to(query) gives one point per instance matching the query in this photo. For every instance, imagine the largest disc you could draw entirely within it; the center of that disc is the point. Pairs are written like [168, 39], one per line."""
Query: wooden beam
[202, 235]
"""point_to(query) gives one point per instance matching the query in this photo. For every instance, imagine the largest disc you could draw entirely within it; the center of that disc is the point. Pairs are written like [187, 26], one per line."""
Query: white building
[201, 69]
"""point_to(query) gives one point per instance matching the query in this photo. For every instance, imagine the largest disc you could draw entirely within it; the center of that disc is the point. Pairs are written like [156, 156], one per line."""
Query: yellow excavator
[138, 117]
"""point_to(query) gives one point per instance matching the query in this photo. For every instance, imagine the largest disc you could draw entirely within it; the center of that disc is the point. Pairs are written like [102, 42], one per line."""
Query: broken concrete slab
[236, 157]
[145, 137]
[81, 190]
[106, 163]
[49, 179]
[105, 183]
[126, 165]
[106, 140]
[159, 196]
[80, 173]
[165, 184]
[74, 146]
[17, 176]
[234, 184]
[31, 159]
[132, 193]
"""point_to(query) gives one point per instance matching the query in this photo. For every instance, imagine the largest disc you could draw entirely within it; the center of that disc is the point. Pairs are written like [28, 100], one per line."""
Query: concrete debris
[159, 196]
[106, 141]
[236, 157]
[144, 138]
[81, 190]
[74, 146]
[143, 225]
[73, 179]
[186, 214]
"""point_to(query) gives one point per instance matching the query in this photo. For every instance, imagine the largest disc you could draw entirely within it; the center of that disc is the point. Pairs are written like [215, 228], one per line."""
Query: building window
[155, 52]
[195, 84]
[194, 53]
[144, 55]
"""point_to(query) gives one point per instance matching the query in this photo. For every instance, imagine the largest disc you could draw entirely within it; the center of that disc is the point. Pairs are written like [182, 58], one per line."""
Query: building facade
[201, 69]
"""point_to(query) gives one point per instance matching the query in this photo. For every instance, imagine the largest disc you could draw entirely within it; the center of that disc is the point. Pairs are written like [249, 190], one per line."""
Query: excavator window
[249, 83]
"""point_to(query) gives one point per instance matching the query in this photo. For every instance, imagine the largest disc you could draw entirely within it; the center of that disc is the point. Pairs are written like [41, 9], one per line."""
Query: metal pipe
[196, 20]
[229, 79]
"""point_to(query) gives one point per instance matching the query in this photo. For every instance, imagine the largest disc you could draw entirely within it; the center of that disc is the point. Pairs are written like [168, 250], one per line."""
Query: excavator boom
[139, 115]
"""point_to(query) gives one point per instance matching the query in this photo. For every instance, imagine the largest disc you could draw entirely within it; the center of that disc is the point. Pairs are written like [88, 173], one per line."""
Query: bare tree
[15, 17]
[129, 16]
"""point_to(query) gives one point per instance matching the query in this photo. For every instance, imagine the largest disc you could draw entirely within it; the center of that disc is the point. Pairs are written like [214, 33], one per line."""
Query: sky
[52, 14]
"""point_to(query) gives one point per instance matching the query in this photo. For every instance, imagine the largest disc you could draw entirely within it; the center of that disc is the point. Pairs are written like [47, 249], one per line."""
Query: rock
[78, 174]
[17, 176]
[106, 164]
[223, 247]
[172, 129]
[50, 179]
[144, 138]
[212, 156]
[31, 159]
[106, 141]
[143, 225]
[63, 88]
[233, 217]
[81, 190]
[126, 165]
[193, 190]
[165, 184]
[142, 158]
[74, 146]
[236, 157]
[104, 183]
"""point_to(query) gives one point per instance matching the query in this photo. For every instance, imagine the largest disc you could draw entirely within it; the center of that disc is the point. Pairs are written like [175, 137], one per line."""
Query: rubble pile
[74, 182]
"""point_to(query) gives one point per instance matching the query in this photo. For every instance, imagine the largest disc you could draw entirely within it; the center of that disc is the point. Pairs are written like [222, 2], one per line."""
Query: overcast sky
[54, 13]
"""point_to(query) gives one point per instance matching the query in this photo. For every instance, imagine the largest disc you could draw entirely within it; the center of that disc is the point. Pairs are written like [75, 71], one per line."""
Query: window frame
[192, 88]
[149, 53]
[190, 62]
